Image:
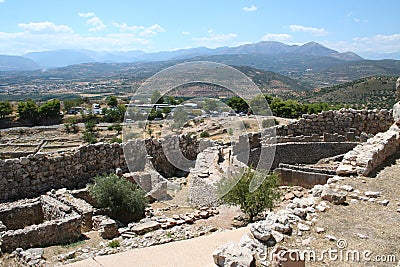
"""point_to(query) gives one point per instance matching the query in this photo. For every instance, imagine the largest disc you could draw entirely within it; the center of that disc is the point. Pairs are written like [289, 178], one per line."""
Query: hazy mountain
[112, 57]
[377, 56]
[12, 63]
[59, 58]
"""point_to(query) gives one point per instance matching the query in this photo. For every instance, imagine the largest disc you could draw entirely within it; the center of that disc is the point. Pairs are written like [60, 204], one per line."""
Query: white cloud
[140, 30]
[312, 30]
[379, 42]
[25, 41]
[2, 1]
[214, 40]
[281, 37]
[95, 22]
[250, 8]
[86, 15]
[45, 27]
[185, 33]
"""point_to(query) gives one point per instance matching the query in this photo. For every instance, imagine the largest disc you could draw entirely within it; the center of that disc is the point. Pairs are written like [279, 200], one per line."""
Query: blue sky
[361, 26]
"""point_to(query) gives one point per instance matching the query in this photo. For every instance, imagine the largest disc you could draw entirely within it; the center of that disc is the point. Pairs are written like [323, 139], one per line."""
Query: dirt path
[191, 253]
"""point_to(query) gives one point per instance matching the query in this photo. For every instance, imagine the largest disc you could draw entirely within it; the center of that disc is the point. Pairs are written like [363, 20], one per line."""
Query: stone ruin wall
[339, 121]
[36, 174]
[43, 221]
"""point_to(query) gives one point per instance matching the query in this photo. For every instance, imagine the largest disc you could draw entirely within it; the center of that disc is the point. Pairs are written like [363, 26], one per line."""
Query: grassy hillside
[371, 92]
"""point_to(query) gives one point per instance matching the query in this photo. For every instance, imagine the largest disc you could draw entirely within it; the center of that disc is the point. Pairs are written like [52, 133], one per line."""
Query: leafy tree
[126, 200]
[156, 98]
[71, 103]
[155, 113]
[253, 203]
[50, 109]
[259, 105]
[180, 118]
[237, 104]
[171, 100]
[112, 101]
[210, 105]
[115, 115]
[117, 127]
[5, 109]
[28, 110]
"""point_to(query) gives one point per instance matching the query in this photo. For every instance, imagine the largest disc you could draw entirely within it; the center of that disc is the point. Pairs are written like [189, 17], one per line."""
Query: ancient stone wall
[306, 179]
[295, 153]
[366, 157]
[45, 234]
[21, 213]
[339, 121]
[36, 174]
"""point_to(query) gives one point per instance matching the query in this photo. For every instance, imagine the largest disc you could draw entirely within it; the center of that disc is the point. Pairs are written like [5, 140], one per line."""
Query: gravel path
[191, 253]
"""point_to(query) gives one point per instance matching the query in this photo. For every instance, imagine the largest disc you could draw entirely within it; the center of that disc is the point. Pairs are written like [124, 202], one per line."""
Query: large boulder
[233, 255]
[334, 197]
[146, 227]
[261, 230]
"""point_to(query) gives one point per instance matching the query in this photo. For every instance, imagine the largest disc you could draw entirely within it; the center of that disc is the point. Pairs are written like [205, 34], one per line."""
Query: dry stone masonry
[339, 121]
[38, 173]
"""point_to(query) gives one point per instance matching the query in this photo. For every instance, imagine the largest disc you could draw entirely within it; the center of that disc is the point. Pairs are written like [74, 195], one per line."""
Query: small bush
[253, 203]
[116, 140]
[117, 127]
[89, 137]
[127, 201]
[114, 244]
[110, 127]
[266, 123]
[204, 134]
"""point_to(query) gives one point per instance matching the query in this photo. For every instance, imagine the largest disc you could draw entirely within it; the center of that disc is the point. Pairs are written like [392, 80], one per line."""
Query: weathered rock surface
[146, 227]
[334, 197]
[233, 255]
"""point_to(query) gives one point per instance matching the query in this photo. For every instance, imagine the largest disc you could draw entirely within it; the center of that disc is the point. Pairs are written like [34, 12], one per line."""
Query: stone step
[128, 235]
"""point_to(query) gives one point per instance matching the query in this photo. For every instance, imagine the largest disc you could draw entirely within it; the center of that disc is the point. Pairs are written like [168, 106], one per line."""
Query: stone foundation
[44, 221]
[366, 157]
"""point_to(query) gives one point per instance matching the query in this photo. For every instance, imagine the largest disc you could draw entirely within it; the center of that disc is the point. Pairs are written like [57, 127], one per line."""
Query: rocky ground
[350, 221]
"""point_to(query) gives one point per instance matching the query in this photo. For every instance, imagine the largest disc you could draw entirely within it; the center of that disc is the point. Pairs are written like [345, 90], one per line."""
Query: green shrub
[117, 127]
[114, 244]
[126, 200]
[89, 137]
[251, 203]
[90, 126]
[266, 123]
[204, 134]
[110, 127]
[115, 139]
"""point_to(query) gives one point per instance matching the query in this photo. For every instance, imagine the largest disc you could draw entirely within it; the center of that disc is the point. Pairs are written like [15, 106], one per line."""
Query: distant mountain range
[311, 65]
[61, 58]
